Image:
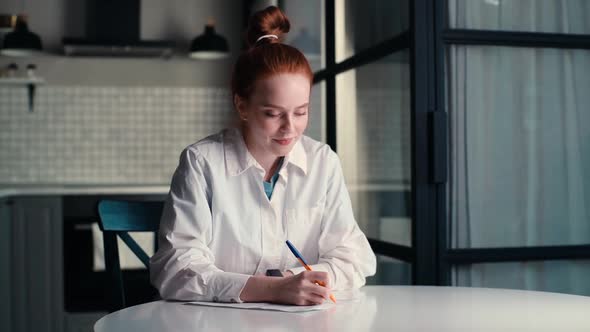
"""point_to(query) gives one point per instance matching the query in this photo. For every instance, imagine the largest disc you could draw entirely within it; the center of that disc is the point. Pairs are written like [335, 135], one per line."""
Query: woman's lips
[285, 141]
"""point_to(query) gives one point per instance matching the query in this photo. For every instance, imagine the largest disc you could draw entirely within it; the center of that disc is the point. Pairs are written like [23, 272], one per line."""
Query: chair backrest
[116, 219]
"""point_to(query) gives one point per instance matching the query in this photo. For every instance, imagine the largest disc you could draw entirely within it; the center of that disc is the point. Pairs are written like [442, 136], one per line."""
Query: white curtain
[520, 144]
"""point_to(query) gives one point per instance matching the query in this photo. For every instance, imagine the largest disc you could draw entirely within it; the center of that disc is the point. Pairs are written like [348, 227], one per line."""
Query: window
[519, 180]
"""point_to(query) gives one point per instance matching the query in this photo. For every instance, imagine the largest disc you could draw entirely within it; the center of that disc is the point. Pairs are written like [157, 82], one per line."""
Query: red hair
[267, 56]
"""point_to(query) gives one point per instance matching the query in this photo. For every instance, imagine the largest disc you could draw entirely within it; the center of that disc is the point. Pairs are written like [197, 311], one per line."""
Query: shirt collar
[238, 159]
[297, 157]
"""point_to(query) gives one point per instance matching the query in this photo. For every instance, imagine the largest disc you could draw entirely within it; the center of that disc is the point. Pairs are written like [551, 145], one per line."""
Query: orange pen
[307, 267]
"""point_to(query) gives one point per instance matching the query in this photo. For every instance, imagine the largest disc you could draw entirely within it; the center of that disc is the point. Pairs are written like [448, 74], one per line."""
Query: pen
[307, 267]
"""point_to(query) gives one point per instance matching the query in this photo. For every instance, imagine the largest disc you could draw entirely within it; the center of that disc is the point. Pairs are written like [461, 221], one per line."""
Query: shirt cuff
[230, 287]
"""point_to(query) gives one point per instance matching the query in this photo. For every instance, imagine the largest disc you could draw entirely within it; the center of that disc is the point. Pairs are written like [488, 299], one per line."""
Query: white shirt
[218, 227]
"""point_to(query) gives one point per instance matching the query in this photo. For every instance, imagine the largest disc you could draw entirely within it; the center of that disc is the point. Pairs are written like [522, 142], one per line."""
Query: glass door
[373, 128]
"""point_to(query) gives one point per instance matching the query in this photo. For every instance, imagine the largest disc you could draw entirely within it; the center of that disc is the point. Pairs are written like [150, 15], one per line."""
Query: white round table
[380, 308]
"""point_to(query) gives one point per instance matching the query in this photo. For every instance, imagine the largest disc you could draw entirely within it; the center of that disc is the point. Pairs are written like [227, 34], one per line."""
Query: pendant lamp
[209, 45]
[21, 41]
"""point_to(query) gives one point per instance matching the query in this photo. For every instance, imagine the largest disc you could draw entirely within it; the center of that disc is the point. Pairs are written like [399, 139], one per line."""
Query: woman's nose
[287, 123]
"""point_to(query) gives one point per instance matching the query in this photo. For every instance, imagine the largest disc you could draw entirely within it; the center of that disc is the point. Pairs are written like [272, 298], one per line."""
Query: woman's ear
[240, 105]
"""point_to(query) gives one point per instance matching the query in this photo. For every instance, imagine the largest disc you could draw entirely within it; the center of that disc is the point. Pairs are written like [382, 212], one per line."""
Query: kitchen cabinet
[5, 293]
[81, 321]
[32, 269]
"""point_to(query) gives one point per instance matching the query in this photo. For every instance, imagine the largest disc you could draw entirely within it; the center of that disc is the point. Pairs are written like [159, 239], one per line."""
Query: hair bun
[269, 21]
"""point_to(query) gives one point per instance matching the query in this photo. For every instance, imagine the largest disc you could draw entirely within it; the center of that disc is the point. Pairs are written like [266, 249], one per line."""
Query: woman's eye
[301, 113]
[271, 115]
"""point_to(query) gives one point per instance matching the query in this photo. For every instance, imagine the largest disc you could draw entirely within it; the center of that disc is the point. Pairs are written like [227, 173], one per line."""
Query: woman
[238, 195]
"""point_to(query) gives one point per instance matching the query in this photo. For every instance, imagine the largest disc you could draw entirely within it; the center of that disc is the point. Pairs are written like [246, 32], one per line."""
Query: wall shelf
[21, 81]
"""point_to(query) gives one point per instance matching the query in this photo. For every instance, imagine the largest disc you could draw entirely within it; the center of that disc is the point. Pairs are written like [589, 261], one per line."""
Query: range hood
[112, 29]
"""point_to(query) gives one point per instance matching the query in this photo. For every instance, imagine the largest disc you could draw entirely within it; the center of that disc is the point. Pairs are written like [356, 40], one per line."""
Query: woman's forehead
[282, 88]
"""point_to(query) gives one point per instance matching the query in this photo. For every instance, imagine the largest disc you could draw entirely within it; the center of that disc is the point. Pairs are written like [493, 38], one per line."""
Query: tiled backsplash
[134, 135]
[104, 135]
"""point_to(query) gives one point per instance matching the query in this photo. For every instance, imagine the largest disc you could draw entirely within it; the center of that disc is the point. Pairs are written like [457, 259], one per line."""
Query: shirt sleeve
[344, 251]
[184, 268]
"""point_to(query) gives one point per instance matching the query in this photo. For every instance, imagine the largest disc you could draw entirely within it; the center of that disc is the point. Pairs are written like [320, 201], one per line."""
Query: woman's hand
[300, 289]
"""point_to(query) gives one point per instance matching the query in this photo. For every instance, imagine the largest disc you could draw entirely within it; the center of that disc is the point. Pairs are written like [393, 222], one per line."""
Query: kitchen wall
[175, 20]
[108, 120]
[178, 21]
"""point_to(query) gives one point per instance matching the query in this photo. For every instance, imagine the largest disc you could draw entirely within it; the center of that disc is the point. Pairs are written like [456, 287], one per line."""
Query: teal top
[269, 186]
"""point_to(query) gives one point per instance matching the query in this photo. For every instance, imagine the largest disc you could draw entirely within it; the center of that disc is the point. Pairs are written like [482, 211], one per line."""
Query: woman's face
[275, 116]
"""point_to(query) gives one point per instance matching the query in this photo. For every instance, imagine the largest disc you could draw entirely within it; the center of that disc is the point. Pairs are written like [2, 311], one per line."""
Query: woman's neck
[272, 170]
[270, 165]
[269, 162]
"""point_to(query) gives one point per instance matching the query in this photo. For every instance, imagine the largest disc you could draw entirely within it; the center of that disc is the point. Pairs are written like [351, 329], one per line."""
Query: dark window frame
[427, 39]
[424, 195]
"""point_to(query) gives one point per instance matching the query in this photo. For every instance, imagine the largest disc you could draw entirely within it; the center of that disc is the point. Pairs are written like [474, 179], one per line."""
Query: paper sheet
[341, 297]
[266, 306]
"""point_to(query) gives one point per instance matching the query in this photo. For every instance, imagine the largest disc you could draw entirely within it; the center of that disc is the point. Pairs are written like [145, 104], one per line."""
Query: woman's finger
[317, 276]
[318, 290]
[315, 298]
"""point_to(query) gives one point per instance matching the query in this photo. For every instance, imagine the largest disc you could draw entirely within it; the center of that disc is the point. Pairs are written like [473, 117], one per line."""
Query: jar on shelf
[31, 67]
[11, 70]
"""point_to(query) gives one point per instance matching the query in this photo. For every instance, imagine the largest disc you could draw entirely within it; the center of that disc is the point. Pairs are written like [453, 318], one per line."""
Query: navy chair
[116, 219]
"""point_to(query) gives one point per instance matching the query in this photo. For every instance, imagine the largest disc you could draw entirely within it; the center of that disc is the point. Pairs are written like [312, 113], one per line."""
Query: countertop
[12, 190]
